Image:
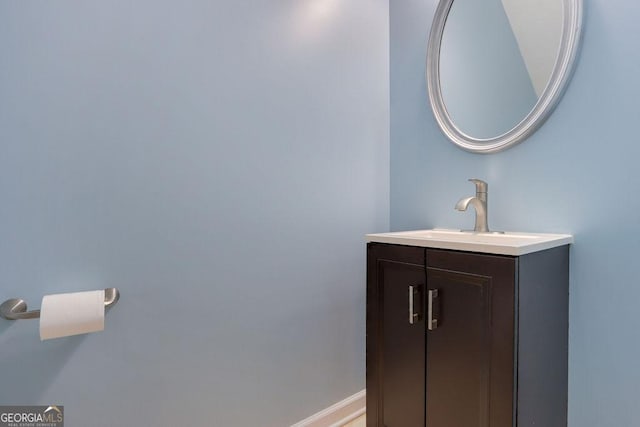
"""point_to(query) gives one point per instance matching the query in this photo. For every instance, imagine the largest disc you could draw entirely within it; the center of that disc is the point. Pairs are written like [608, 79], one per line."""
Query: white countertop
[508, 243]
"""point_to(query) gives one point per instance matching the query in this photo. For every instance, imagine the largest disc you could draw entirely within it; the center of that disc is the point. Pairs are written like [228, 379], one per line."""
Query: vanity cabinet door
[395, 336]
[470, 350]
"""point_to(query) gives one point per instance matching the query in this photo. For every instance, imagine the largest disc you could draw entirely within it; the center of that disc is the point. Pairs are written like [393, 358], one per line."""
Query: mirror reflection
[496, 59]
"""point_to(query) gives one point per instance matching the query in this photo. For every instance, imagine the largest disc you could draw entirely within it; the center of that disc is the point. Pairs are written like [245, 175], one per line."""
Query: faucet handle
[481, 186]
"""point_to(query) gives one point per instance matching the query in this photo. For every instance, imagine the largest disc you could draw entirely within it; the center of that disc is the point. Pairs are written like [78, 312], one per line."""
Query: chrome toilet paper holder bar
[14, 309]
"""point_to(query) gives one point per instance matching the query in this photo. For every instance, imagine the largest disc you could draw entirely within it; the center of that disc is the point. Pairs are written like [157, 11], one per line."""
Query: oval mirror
[497, 68]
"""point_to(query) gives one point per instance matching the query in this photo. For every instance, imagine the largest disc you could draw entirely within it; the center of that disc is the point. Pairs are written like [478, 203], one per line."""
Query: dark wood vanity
[466, 339]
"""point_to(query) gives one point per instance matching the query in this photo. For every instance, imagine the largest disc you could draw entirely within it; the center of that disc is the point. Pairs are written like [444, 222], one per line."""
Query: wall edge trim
[338, 414]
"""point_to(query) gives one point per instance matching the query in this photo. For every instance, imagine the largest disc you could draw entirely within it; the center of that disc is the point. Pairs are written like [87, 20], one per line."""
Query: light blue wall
[577, 174]
[219, 162]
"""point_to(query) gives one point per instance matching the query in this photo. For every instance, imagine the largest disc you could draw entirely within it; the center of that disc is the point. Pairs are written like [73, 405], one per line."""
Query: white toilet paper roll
[75, 313]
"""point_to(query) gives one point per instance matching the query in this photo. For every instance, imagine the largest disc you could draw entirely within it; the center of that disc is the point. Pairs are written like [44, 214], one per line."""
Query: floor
[358, 422]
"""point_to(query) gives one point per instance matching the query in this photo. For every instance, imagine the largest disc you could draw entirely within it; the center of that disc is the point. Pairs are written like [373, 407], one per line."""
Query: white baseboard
[339, 414]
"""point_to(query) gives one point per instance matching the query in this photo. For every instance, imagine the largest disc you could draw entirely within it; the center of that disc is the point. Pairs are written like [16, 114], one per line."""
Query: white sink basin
[494, 243]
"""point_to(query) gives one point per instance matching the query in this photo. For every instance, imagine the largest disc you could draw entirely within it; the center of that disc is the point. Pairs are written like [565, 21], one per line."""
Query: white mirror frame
[560, 76]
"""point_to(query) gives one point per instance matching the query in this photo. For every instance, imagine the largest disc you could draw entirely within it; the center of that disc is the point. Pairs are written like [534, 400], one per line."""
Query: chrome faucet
[479, 202]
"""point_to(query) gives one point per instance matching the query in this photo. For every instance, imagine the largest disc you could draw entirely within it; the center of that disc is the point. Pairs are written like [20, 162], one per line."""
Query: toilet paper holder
[14, 309]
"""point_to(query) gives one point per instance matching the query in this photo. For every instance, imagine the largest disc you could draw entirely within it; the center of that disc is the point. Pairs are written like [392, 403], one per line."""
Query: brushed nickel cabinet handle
[432, 321]
[414, 316]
